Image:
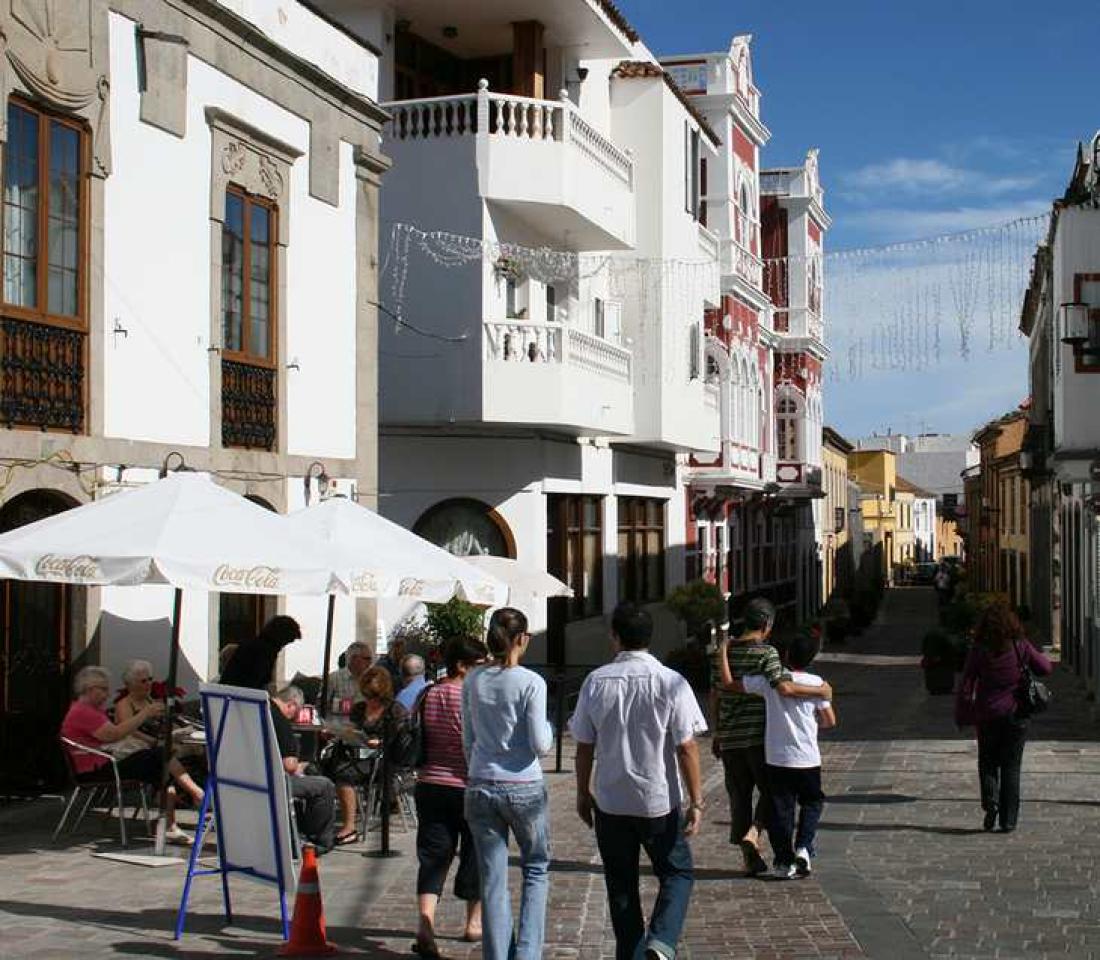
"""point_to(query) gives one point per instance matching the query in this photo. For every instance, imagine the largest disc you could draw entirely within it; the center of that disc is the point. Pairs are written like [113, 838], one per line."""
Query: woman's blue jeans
[492, 810]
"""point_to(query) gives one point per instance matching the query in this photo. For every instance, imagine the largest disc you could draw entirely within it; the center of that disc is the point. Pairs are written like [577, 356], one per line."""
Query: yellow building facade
[876, 472]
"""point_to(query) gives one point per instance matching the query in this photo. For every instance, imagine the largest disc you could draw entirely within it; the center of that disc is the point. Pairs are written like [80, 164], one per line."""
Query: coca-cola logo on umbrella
[86, 568]
[254, 578]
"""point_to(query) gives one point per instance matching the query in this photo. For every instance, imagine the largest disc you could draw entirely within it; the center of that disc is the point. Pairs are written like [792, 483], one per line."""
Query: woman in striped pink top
[440, 790]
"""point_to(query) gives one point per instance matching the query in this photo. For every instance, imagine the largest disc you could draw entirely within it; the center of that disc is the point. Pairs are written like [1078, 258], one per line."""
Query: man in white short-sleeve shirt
[638, 720]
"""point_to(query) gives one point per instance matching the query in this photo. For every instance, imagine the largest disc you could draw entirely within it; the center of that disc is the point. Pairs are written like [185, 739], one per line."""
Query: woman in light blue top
[504, 732]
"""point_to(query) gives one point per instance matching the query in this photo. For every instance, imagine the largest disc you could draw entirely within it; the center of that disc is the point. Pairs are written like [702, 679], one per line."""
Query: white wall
[158, 276]
[303, 33]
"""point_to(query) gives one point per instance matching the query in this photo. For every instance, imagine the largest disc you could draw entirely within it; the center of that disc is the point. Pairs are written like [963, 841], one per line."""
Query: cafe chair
[370, 797]
[106, 783]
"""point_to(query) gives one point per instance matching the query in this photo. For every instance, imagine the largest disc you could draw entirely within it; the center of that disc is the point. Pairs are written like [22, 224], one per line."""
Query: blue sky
[931, 118]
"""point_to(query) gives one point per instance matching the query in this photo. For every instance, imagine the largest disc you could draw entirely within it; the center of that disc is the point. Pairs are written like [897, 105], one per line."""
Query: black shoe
[1007, 828]
[990, 820]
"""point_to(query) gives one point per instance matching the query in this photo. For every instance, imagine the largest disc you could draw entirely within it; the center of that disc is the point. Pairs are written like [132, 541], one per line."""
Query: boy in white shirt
[792, 756]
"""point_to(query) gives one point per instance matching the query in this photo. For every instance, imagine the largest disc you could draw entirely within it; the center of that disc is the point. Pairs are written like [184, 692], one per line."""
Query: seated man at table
[343, 684]
[413, 681]
[317, 819]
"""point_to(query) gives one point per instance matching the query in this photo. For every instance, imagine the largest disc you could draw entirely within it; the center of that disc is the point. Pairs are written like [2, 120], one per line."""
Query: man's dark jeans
[745, 771]
[621, 840]
[791, 787]
[1000, 754]
[315, 798]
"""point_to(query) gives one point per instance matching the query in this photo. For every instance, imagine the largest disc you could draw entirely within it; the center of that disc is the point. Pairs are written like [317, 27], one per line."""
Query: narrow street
[904, 869]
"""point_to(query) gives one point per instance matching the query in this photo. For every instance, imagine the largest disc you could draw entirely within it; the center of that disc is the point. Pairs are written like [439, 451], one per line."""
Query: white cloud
[891, 224]
[929, 178]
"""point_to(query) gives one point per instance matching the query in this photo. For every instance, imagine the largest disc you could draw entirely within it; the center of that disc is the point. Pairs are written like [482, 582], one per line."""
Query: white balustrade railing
[775, 184]
[502, 115]
[767, 467]
[596, 354]
[590, 141]
[739, 260]
[517, 341]
[709, 244]
[514, 341]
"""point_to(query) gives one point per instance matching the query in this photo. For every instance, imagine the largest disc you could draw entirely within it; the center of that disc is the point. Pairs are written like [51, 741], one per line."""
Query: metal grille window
[44, 265]
[248, 321]
[574, 549]
[642, 549]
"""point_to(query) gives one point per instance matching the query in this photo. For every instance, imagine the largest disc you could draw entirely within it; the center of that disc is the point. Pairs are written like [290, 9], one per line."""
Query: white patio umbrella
[185, 531]
[526, 585]
[379, 558]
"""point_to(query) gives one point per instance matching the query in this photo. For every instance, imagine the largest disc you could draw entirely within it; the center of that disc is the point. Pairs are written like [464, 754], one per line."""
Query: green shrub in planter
[697, 602]
[453, 619]
[939, 655]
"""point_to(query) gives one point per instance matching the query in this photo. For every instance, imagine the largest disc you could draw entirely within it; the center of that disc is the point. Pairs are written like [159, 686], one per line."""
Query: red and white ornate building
[754, 522]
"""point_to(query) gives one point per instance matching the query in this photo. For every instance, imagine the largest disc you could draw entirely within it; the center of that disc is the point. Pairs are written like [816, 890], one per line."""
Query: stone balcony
[540, 159]
[552, 375]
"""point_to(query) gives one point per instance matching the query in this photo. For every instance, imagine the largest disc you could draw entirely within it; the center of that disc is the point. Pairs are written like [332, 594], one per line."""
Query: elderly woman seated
[88, 725]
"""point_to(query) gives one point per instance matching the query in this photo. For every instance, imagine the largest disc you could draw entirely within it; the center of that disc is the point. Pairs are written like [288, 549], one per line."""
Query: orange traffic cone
[307, 927]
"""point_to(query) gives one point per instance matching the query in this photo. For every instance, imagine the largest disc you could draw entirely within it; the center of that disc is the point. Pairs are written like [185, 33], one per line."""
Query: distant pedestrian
[391, 659]
[942, 582]
[793, 757]
[989, 697]
[738, 721]
[504, 732]
[638, 719]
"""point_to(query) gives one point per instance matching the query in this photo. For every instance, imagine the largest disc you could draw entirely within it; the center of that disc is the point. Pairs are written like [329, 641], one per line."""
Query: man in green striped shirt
[738, 719]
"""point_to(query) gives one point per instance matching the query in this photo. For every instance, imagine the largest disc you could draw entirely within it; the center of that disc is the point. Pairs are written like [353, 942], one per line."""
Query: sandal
[426, 950]
[345, 839]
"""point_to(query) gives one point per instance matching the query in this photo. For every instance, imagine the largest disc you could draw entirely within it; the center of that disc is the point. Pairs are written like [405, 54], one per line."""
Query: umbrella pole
[173, 669]
[323, 704]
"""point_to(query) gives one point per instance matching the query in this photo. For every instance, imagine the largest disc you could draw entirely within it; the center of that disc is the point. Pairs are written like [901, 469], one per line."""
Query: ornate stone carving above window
[54, 51]
[254, 161]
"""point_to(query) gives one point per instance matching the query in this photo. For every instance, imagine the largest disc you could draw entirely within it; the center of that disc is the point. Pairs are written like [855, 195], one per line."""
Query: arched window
[787, 439]
[466, 527]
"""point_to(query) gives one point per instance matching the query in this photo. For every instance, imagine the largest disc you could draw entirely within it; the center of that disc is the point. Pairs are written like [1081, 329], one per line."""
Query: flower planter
[939, 677]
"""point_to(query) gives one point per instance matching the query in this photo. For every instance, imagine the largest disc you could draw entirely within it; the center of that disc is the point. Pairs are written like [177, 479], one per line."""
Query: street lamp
[1075, 323]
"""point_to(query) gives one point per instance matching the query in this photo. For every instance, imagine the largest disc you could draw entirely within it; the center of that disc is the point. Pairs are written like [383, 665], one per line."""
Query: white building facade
[542, 346]
[755, 524]
[190, 208]
[1061, 450]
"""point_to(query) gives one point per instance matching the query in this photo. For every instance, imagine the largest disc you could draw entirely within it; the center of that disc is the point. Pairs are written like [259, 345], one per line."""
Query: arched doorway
[466, 527]
[240, 615]
[38, 622]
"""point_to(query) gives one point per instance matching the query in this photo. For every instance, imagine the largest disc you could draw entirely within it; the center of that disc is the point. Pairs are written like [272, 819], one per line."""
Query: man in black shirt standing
[317, 820]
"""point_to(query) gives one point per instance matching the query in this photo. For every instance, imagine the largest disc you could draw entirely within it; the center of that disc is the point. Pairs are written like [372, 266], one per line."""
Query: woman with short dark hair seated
[88, 725]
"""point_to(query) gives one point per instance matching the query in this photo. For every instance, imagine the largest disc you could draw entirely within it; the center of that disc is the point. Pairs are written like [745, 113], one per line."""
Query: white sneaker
[175, 835]
[781, 872]
[802, 862]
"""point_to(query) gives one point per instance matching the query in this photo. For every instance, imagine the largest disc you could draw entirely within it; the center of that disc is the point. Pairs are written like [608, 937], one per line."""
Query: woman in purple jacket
[988, 697]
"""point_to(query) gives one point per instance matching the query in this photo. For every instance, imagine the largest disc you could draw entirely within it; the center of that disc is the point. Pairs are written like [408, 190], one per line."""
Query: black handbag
[1032, 695]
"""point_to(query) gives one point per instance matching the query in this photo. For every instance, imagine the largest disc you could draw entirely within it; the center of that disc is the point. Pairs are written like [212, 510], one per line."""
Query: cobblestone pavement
[904, 869]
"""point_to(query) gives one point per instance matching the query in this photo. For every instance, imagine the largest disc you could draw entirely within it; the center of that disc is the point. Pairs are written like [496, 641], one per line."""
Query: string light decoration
[896, 307]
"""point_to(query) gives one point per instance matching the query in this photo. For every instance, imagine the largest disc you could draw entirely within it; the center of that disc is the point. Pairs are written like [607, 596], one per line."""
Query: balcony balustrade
[531, 152]
[740, 261]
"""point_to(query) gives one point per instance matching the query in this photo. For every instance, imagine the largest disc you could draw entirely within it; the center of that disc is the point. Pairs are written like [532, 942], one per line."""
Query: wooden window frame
[244, 355]
[567, 509]
[1080, 364]
[41, 314]
[637, 528]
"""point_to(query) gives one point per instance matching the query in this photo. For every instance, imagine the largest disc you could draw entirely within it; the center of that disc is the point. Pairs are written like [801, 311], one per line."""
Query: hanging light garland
[896, 307]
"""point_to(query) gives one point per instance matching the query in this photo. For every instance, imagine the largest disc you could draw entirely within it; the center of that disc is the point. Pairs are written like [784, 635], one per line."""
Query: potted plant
[838, 619]
[939, 656]
[698, 603]
[507, 267]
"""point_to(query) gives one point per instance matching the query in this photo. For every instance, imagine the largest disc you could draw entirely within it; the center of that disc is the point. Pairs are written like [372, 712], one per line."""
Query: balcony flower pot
[507, 268]
[939, 661]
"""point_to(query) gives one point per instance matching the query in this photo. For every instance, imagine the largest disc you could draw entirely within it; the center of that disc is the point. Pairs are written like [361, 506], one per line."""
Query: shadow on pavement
[841, 827]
